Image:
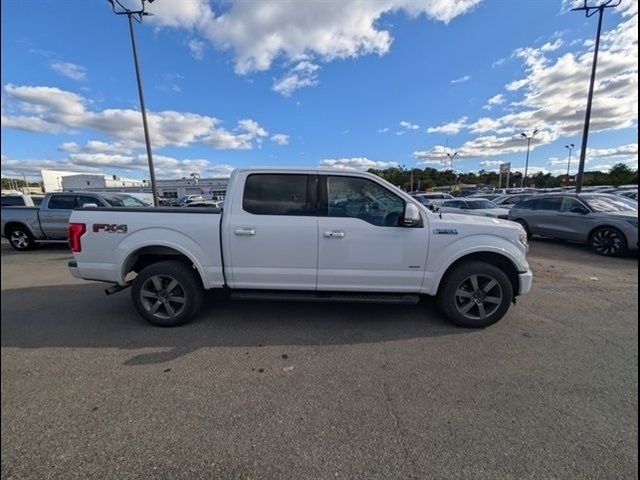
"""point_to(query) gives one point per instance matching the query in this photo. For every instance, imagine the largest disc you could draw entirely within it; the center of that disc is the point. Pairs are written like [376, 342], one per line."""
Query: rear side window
[37, 200]
[12, 201]
[63, 202]
[279, 194]
[529, 204]
[550, 204]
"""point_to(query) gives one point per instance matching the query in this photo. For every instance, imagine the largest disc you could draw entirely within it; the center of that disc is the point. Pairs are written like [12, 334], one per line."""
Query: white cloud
[383, 130]
[498, 62]
[493, 101]
[484, 124]
[491, 163]
[451, 128]
[70, 70]
[461, 79]
[303, 74]
[136, 165]
[354, 163]
[197, 48]
[408, 125]
[280, 139]
[261, 33]
[53, 110]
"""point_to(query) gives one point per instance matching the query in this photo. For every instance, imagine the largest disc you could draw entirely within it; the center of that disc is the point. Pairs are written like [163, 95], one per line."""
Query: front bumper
[73, 268]
[526, 279]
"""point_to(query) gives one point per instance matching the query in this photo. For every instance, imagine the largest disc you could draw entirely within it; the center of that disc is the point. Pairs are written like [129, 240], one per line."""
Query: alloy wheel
[163, 297]
[478, 297]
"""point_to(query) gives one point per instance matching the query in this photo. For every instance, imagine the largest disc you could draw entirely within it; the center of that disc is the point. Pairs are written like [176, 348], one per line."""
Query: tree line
[429, 178]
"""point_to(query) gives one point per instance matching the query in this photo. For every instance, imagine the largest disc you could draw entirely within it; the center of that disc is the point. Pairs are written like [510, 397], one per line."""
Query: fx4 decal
[109, 228]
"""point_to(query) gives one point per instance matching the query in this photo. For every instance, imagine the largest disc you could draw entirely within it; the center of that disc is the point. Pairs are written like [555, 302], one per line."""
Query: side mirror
[412, 216]
[89, 205]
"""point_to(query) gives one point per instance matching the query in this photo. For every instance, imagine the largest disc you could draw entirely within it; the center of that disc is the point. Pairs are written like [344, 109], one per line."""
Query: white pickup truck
[307, 235]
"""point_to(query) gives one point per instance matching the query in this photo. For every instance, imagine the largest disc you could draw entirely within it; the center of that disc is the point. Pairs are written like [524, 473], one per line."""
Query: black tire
[609, 241]
[486, 301]
[525, 225]
[173, 304]
[20, 238]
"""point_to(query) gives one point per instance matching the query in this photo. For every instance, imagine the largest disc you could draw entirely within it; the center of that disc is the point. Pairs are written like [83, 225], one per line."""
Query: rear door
[55, 217]
[362, 245]
[273, 232]
[546, 219]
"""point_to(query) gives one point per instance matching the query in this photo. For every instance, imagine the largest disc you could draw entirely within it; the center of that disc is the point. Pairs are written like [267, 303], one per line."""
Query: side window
[526, 204]
[279, 194]
[37, 200]
[451, 204]
[8, 201]
[568, 203]
[361, 198]
[63, 202]
[550, 204]
[82, 199]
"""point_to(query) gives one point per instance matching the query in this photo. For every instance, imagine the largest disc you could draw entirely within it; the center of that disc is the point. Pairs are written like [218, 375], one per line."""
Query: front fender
[438, 265]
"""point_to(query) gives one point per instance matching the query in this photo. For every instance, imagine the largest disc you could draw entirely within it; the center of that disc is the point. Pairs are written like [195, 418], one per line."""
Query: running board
[51, 241]
[351, 297]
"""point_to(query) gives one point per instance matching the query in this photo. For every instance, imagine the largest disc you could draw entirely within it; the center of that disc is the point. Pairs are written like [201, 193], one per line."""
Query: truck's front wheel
[167, 293]
[21, 239]
[475, 294]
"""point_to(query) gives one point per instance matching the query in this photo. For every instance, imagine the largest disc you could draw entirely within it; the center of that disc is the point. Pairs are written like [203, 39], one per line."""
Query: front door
[361, 243]
[273, 235]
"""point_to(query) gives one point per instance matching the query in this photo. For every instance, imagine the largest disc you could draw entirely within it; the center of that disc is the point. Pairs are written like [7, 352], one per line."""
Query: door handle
[249, 232]
[334, 234]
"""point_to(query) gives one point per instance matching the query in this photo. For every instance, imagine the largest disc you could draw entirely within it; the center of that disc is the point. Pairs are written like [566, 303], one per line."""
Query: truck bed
[118, 236]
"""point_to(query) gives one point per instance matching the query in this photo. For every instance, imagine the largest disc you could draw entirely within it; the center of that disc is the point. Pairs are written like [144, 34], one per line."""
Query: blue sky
[342, 84]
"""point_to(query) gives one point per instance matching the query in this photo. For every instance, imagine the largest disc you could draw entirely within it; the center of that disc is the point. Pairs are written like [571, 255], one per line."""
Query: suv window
[12, 201]
[279, 194]
[528, 204]
[62, 202]
[37, 200]
[550, 204]
[364, 199]
[569, 203]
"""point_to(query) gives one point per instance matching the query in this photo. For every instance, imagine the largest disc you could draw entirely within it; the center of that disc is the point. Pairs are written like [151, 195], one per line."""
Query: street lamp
[137, 15]
[526, 165]
[589, 11]
[570, 147]
[451, 157]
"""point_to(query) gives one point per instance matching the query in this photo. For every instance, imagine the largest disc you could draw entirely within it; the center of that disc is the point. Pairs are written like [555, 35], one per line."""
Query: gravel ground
[315, 391]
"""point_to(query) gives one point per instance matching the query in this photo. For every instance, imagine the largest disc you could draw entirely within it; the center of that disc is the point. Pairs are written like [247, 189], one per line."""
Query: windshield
[123, 201]
[481, 204]
[605, 203]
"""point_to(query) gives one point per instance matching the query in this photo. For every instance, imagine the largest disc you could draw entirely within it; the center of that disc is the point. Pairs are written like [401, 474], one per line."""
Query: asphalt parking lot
[290, 390]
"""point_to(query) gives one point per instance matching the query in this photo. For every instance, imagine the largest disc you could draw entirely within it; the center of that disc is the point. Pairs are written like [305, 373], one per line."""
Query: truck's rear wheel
[475, 294]
[167, 293]
[21, 239]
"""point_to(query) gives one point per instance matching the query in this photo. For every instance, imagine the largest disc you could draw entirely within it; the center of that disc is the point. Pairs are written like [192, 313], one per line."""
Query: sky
[344, 84]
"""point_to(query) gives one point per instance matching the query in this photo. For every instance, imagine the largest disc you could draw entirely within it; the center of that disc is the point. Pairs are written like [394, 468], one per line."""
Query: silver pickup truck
[27, 227]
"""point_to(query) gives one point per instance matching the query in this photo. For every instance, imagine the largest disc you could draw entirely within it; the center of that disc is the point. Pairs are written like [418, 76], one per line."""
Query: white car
[304, 235]
[474, 206]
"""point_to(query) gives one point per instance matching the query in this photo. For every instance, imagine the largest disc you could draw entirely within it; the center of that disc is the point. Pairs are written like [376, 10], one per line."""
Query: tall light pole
[570, 147]
[526, 164]
[137, 15]
[451, 157]
[589, 11]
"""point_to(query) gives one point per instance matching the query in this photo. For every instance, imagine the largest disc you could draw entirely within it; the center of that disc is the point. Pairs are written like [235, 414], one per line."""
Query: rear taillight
[76, 230]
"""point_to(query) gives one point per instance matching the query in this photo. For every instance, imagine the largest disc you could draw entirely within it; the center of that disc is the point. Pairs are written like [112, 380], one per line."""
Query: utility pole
[570, 147]
[451, 157]
[589, 11]
[137, 15]
[526, 165]
[26, 184]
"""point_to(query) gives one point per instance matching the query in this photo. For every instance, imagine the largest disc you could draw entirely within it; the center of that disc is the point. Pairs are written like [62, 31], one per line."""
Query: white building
[90, 181]
[52, 179]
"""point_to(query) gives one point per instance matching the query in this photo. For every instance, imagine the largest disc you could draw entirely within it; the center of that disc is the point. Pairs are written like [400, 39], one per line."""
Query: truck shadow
[81, 316]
